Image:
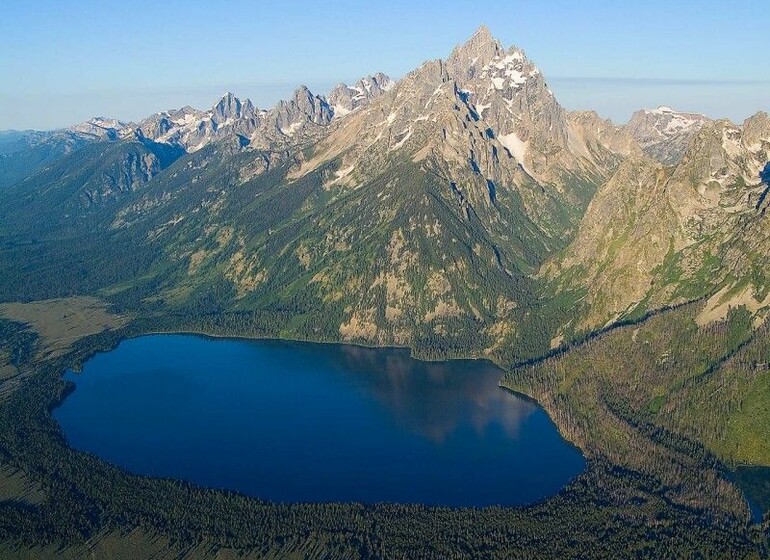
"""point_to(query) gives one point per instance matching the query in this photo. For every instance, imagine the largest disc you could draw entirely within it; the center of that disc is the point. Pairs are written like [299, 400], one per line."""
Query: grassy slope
[60, 322]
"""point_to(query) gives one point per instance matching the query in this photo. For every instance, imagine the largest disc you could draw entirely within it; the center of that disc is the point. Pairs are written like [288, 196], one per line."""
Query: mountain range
[461, 207]
[618, 273]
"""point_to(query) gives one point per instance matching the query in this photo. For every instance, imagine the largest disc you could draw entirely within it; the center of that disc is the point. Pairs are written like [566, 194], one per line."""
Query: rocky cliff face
[299, 120]
[192, 129]
[657, 235]
[484, 120]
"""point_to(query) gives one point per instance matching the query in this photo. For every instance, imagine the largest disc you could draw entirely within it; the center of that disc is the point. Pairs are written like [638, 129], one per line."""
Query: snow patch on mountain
[403, 140]
[512, 70]
[515, 146]
[104, 128]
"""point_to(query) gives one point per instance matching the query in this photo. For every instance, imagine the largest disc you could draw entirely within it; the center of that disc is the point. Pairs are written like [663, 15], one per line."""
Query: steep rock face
[663, 133]
[166, 126]
[509, 93]
[600, 141]
[193, 129]
[295, 121]
[755, 135]
[485, 123]
[128, 173]
[231, 108]
[657, 235]
[628, 230]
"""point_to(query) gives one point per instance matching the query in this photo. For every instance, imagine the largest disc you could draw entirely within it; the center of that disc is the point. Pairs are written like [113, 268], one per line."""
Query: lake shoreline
[398, 400]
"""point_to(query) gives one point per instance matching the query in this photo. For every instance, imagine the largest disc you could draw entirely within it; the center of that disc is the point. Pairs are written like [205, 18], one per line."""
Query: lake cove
[301, 422]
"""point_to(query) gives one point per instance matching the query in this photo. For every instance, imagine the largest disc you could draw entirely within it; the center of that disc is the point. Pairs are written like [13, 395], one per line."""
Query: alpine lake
[302, 422]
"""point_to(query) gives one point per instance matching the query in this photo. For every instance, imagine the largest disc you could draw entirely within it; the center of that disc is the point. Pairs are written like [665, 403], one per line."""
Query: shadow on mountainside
[764, 175]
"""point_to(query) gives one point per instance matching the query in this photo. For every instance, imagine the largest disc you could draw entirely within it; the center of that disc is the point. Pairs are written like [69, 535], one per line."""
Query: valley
[618, 274]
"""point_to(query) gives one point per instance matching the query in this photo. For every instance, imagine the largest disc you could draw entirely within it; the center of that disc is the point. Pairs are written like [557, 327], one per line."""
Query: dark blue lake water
[296, 422]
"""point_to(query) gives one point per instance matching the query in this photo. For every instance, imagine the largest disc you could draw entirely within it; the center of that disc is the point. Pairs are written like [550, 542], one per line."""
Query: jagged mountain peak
[301, 97]
[756, 132]
[289, 117]
[481, 90]
[229, 98]
[725, 154]
[482, 33]
[482, 41]
[286, 122]
[466, 59]
[381, 80]
[345, 99]
[378, 82]
[483, 51]
[302, 91]
[231, 107]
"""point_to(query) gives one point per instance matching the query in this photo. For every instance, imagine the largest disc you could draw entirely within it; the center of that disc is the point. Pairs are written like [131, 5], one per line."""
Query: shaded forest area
[661, 502]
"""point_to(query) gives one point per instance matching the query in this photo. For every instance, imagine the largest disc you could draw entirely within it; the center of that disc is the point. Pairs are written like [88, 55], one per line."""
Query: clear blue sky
[62, 61]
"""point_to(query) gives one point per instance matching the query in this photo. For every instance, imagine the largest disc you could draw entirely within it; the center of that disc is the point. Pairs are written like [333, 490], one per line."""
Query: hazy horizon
[128, 62]
[607, 96]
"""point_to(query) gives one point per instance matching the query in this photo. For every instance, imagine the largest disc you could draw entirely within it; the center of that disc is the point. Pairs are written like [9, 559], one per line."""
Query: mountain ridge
[468, 159]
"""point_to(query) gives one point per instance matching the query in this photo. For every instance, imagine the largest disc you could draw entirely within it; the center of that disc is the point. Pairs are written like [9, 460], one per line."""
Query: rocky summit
[664, 133]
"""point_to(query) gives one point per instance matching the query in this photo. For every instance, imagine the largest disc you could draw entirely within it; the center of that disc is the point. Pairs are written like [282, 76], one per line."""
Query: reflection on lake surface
[291, 422]
[434, 399]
